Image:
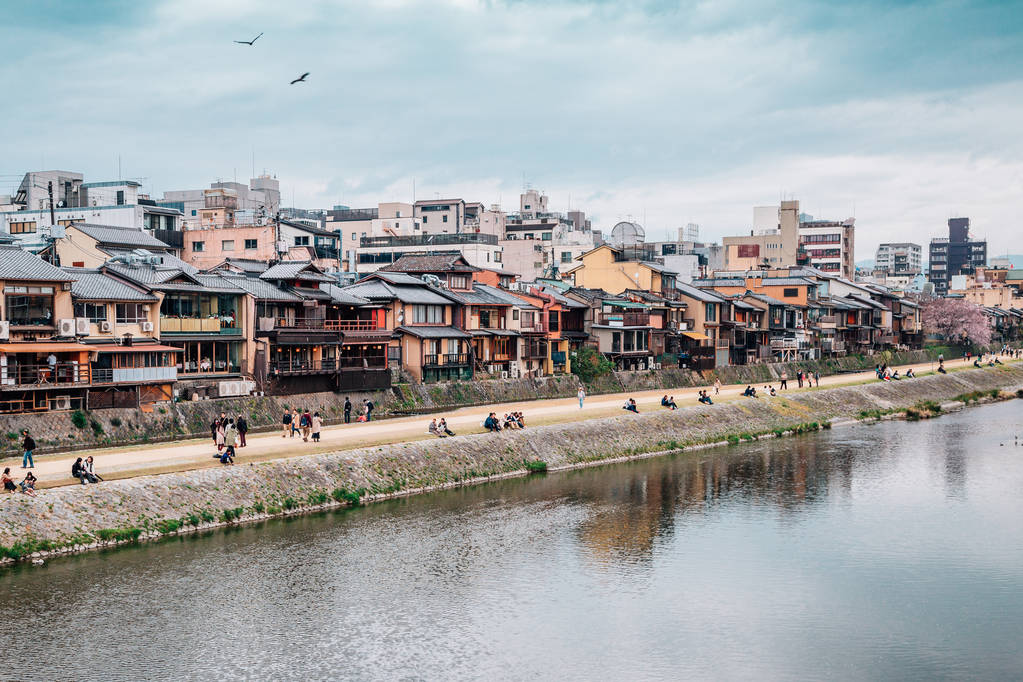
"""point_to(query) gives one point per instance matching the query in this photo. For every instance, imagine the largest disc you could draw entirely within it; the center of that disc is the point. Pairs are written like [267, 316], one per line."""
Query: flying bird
[248, 42]
[300, 79]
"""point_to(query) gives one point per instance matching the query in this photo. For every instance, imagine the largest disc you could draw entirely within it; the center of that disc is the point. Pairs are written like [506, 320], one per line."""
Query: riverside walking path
[155, 458]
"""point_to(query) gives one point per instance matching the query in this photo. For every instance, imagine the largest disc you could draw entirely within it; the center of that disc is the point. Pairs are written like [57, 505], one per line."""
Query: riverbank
[170, 422]
[74, 518]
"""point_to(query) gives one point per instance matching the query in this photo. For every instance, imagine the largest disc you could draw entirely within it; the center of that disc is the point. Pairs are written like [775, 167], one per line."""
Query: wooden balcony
[625, 319]
[62, 374]
[196, 325]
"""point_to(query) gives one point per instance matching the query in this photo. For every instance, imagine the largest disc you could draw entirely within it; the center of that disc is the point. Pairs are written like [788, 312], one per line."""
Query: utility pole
[49, 191]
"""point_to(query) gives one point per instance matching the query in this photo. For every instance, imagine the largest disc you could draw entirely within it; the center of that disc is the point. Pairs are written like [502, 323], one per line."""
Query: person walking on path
[784, 380]
[317, 424]
[243, 427]
[348, 410]
[799, 378]
[817, 379]
[581, 394]
[717, 386]
[285, 424]
[294, 422]
[230, 440]
[306, 423]
[221, 431]
[28, 445]
[214, 425]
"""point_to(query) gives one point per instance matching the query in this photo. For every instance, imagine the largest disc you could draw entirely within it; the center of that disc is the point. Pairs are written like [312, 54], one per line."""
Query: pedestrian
[717, 386]
[784, 380]
[817, 379]
[368, 404]
[581, 394]
[243, 427]
[317, 424]
[214, 426]
[294, 422]
[230, 440]
[799, 378]
[28, 445]
[285, 423]
[221, 432]
[305, 422]
[348, 410]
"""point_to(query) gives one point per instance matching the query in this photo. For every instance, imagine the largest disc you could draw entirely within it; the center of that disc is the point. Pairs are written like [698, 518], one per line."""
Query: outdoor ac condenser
[67, 328]
[82, 326]
[105, 326]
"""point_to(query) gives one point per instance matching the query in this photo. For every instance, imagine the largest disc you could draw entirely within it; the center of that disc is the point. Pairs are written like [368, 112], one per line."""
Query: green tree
[588, 364]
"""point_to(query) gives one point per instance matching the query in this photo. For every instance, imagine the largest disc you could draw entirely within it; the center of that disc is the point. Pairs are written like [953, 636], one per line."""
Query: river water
[892, 551]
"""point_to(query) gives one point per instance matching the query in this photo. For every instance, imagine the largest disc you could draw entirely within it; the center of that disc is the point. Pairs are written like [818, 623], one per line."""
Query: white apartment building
[261, 195]
[904, 258]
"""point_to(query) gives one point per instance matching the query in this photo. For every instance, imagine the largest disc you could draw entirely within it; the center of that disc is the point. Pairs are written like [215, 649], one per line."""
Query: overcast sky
[902, 113]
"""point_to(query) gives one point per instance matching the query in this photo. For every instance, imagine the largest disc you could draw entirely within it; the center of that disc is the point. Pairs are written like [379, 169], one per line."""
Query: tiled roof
[262, 291]
[167, 259]
[434, 332]
[441, 262]
[121, 236]
[144, 274]
[16, 264]
[303, 270]
[764, 298]
[341, 296]
[397, 278]
[705, 295]
[309, 228]
[245, 265]
[381, 290]
[93, 285]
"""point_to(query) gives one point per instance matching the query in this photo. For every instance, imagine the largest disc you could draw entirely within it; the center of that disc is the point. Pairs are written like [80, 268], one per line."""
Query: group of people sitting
[705, 398]
[228, 434]
[991, 361]
[750, 392]
[27, 486]
[631, 405]
[440, 428]
[669, 403]
[512, 420]
[85, 471]
[886, 373]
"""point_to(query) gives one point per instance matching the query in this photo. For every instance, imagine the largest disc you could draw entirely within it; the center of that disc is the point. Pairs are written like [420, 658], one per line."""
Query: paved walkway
[153, 458]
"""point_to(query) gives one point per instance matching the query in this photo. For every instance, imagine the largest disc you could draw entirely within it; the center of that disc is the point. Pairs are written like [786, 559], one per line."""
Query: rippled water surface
[892, 551]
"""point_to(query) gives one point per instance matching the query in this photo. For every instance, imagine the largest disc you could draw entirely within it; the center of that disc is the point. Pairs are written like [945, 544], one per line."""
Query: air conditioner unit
[106, 327]
[82, 326]
[62, 402]
[504, 375]
[147, 326]
[67, 328]
[5, 330]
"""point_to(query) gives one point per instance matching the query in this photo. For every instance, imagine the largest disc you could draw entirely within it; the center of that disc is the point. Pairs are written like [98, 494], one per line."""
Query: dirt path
[135, 460]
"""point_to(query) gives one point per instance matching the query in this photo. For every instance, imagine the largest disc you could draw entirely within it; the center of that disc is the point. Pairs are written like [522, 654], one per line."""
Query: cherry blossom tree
[957, 321]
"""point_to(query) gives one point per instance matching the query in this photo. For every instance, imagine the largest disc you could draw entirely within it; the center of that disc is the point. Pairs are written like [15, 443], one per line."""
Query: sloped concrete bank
[74, 518]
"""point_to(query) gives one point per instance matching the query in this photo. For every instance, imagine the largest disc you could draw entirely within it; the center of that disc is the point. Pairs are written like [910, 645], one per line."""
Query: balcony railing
[625, 319]
[106, 375]
[829, 321]
[367, 362]
[62, 374]
[196, 325]
[303, 366]
[429, 240]
[446, 359]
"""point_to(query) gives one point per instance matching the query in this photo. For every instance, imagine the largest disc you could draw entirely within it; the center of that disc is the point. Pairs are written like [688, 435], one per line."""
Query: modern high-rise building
[899, 259]
[956, 254]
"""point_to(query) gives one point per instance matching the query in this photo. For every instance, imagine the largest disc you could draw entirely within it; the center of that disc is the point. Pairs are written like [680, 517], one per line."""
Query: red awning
[153, 347]
[45, 347]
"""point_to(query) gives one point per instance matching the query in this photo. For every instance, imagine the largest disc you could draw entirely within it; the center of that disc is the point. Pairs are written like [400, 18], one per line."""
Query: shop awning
[45, 347]
[146, 348]
[696, 335]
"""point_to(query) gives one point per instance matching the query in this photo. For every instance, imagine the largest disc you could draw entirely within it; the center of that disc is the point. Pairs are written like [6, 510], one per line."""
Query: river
[889, 551]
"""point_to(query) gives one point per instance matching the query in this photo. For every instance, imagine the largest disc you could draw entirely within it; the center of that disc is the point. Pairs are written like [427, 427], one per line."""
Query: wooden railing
[327, 325]
[446, 359]
[62, 374]
[197, 325]
[625, 319]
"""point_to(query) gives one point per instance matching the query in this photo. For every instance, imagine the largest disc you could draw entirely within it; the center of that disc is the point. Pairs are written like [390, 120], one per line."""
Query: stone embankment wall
[149, 506]
[55, 431]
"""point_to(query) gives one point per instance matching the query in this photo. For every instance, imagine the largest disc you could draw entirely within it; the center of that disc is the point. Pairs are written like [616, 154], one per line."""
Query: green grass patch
[536, 466]
[169, 525]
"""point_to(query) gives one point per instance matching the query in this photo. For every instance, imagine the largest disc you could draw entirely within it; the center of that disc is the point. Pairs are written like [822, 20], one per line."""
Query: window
[130, 313]
[120, 197]
[458, 282]
[428, 314]
[527, 319]
[193, 211]
[227, 245]
[546, 236]
[301, 241]
[444, 218]
[566, 256]
[515, 313]
[251, 244]
[198, 246]
[66, 223]
[23, 227]
[397, 214]
[789, 292]
[497, 256]
[396, 224]
[527, 207]
[29, 305]
[425, 217]
[354, 236]
[96, 312]
[711, 312]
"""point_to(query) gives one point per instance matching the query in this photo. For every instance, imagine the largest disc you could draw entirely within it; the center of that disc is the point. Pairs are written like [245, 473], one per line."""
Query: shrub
[733, 440]
[353, 498]
[79, 419]
[169, 525]
[588, 364]
[318, 497]
[229, 515]
[97, 428]
[273, 510]
[289, 503]
[207, 516]
[912, 415]
[12, 436]
[536, 466]
[192, 519]
[115, 422]
[259, 507]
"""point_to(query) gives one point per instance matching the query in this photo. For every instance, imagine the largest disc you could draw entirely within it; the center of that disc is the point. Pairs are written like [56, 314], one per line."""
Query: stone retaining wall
[80, 514]
[55, 431]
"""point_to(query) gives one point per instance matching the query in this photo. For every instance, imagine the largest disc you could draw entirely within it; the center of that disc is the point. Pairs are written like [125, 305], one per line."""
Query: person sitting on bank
[521, 418]
[8, 482]
[750, 392]
[631, 405]
[895, 375]
[28, 486]
[443, 426]
[90, 470]
[770, 390]
[976, 362]
[491, 424]
[434, 429]
[910, 374]
[78, 471]
[230, 440]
